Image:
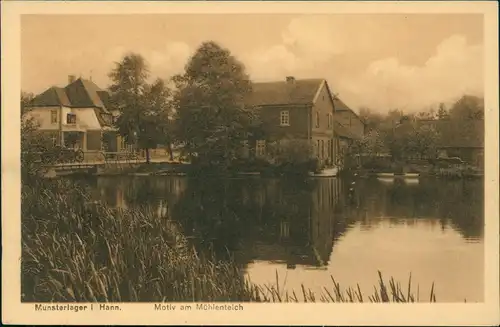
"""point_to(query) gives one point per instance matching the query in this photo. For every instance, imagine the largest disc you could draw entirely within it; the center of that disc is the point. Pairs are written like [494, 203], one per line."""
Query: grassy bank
[74, 249]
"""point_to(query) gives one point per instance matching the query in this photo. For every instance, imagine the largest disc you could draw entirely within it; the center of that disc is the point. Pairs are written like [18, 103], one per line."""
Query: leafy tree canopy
[144, 108]
[212, 118]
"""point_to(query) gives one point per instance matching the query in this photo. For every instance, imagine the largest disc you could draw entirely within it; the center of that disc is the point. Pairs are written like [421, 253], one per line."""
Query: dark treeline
[420, 135]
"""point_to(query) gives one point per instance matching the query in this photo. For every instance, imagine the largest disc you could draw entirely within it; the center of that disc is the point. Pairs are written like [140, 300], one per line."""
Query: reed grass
[74, 249]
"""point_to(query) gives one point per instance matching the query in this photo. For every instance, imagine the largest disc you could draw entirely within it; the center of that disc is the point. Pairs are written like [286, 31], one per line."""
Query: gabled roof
[339, 105]
[342, 107]
[298, 92]
[104, 96]
[84, 93]
[54, 96]
[79, 94]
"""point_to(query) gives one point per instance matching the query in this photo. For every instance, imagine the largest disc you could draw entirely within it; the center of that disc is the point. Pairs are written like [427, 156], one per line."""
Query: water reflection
[297, 213]
[350, 228]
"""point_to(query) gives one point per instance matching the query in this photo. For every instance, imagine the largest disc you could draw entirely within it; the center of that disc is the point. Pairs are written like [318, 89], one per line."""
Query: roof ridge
[84, 92]
[300, 92]
[283, 81]
[91, 83]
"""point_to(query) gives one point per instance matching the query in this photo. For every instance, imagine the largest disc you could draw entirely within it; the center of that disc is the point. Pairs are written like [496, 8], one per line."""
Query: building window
[322, 149]
[53, 116]
[260, 148]
[317, 148]
[330, 120]
[71, 118]
[317, 119]
[285, 118]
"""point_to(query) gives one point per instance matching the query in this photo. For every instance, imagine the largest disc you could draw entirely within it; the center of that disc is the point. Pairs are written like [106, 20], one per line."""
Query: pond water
[308, 231]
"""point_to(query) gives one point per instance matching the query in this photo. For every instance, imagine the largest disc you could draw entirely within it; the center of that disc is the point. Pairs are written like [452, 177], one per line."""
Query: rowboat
[385, 175]
[326, 172]
[408, 175]
[398, 175]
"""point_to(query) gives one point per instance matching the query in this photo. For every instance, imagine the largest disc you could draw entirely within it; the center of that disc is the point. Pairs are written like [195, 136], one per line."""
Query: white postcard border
[294, 314]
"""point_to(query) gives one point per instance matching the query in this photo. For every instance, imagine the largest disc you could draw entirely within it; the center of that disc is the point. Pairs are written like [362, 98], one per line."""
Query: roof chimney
[71, 79]
[290, 79]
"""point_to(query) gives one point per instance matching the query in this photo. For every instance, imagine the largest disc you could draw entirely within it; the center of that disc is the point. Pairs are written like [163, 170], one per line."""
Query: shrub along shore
[74, 249]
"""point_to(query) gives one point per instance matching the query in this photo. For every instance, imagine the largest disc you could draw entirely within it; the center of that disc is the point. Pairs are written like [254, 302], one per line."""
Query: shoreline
[179, 169]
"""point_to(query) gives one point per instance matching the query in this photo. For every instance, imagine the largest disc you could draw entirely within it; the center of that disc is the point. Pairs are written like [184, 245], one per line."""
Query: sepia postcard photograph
[250, 163]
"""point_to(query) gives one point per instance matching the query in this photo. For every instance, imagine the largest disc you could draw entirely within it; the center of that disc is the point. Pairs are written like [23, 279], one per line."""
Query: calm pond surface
[307, 231]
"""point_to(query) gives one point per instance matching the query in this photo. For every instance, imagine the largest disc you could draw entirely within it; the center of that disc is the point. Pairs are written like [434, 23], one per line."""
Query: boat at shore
[326, 172]
[411, 178]
[408, 175]
[398, 175]
[385, 175]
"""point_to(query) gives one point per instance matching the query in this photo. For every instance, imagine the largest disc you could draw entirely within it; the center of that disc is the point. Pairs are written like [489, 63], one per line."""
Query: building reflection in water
[295, 222]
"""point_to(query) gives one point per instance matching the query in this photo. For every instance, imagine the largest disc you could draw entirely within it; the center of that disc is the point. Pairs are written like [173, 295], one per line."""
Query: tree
[425, 115]
[442, 112]
[156, 124]
[33, 144]
[26, 99]
[371, 144]
[466, 122]
[29, 136]
[432, 113]
[422, 142]
[144, 108]
[412, 140]
[394, 116]
[371, 119]
[293, 151]
[467, 107]
[398, 137]
[212, 118]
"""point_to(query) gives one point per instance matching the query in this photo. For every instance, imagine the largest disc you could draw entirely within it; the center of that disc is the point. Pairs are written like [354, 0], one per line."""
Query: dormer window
[285, 118]
[317, 119]
[330, 120]
[71, 119]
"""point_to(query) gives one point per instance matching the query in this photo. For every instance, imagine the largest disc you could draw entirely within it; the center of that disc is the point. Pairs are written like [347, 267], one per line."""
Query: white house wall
[86, 118]
[42, 115]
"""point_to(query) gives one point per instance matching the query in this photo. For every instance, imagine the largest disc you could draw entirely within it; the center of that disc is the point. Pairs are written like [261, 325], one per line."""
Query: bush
[33, 146]
[377, 165]
[292, 156]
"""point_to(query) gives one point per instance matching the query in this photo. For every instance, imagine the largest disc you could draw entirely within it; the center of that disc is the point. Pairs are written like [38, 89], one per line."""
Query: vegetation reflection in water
[301, 227]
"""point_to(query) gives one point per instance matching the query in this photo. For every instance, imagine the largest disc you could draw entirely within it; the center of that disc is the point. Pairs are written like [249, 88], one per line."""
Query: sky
[379, 61]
